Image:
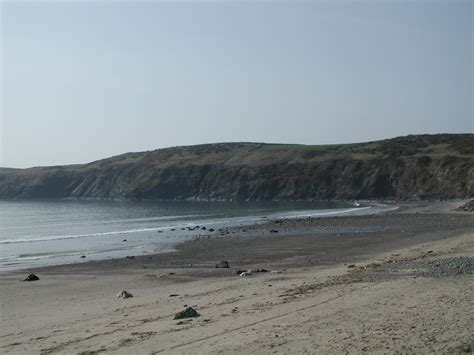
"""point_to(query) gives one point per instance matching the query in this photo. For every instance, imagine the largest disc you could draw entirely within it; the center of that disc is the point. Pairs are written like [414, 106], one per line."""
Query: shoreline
[424, 216]
[173, 234]
[410, 287]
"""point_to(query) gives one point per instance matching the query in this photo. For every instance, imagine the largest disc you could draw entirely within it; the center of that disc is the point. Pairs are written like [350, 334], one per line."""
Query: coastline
[396, 226]
[263, 312]
[123, 236]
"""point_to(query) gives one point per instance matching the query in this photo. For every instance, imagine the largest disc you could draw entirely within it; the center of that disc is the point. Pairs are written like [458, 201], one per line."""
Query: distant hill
[411, 167]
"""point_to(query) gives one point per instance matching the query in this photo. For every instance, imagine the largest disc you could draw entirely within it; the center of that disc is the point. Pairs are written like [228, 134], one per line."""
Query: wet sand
[309, 300]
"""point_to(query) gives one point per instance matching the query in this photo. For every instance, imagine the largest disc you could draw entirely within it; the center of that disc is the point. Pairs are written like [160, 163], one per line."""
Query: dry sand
[410, 290]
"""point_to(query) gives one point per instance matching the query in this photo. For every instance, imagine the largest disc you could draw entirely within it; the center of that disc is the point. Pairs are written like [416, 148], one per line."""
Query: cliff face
[413, 167]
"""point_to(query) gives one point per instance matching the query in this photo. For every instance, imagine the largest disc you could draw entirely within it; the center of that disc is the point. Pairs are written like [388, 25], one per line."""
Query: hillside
[412, 167]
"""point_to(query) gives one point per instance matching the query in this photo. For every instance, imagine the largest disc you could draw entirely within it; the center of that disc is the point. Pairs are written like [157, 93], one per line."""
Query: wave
[301, 214]
[91, 235]
[249, 219]
[52, 222]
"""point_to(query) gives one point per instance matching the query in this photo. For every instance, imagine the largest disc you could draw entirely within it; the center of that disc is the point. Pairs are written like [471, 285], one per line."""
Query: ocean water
[40, 233]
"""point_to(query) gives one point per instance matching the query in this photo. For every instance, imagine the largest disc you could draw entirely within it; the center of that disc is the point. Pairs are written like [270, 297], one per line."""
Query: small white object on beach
[124, 294]
[246, 273]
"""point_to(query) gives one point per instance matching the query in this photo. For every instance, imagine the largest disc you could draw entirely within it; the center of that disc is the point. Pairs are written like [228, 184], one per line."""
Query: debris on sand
[252, 271]
[276, 272]
[223, 264]
[31, 277]
[467, 207]
[124, 294]
[249, 272]
[189, 312]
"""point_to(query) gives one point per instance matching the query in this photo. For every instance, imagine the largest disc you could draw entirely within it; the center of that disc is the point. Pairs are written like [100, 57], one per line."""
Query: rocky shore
[467, 207]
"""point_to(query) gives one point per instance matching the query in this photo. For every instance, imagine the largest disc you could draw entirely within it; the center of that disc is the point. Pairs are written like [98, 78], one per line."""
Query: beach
[400, 281]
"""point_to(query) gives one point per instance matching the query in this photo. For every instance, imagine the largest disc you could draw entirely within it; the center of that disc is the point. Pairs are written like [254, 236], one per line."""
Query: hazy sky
[83, 80]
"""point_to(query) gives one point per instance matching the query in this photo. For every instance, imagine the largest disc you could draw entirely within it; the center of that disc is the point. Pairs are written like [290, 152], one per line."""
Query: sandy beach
[236, 177]
[388, 283]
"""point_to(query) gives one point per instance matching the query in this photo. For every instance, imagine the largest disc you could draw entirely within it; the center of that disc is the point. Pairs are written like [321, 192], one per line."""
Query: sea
[50, 232]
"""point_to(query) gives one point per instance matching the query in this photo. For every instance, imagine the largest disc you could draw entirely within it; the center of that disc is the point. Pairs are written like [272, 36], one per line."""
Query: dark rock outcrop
[31, 277]
[412, 167]
[187, 313]
[467, 207]
[222, 264]
[124, 295]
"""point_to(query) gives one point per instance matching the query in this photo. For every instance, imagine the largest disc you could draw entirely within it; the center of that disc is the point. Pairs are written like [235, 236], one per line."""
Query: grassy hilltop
[419, 166]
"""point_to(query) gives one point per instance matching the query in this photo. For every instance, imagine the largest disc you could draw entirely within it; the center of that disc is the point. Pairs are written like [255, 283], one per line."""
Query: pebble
[445, 267]
[124, 294]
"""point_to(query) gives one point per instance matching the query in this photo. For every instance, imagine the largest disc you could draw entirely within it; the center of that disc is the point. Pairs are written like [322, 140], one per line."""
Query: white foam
[248, 220]
[64, 237]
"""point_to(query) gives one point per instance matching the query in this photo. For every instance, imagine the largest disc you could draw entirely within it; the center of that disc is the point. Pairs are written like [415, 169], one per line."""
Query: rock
[203, 228]
[124, 294]
[351, 266]
[173, 229]
[245, 273]
[83, 256]
[189, 312]
[130, 257]
[238, 272]
[31, 277]
[211, 229]
[467, 207]
[273, 231]
[467, 348]
[223, 264]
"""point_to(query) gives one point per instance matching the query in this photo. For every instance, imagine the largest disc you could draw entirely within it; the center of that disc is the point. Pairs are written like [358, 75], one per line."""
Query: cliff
[412, 167]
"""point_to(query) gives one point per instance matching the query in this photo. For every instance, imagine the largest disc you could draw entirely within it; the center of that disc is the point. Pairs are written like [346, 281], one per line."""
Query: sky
[84, 80]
